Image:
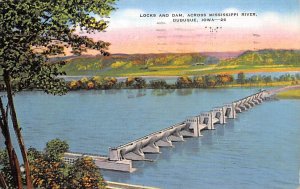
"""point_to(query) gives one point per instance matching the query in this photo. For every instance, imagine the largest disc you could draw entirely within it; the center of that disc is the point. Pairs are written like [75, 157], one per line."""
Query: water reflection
[118, 176]
[141, 93]
[220, 130]
[166, 153]
[192, 146]
[136, 93]
[153, 157]
[184, 92]
[179, 146]
[162, 92]
[145, 164]
[113, 91]
[207, 138]
[230, 125]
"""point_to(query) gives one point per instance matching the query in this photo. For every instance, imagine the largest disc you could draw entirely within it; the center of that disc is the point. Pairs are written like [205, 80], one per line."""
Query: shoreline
[290, 94]
[218, 71]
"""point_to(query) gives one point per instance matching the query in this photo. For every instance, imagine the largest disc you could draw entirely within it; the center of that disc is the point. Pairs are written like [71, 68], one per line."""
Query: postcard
[150, 94]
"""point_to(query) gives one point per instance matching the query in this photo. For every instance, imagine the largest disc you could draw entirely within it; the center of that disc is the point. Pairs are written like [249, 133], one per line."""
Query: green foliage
[184, 82]
[5, 168]
[290, 94]
[118, 64]
[199, 82]
[95, 82]
[224, 79]
[136, 82]
[48, 171]
[33, 31]
[158, 84]
[267, 79]
[182, 60]
[241, 77]
[266, 57]
[86, 174]
[56, 148]
[210, 80]
[115, 64]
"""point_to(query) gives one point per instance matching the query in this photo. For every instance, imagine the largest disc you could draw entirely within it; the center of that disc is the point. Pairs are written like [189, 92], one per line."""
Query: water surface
[259, 149]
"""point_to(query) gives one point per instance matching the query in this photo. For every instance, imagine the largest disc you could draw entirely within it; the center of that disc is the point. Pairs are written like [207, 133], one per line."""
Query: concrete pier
[101, 161]
[120, 158]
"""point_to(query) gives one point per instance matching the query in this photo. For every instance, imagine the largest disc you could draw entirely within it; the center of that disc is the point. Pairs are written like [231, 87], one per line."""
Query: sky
[276, 24]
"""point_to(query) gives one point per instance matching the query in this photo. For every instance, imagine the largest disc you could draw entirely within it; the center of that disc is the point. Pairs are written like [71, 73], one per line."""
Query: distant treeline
[204, 81]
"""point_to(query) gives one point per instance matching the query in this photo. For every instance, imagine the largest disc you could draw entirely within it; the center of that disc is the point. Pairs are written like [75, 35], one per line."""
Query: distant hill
[180, 64]
[134, 62]
[265, 57]
[223, 55]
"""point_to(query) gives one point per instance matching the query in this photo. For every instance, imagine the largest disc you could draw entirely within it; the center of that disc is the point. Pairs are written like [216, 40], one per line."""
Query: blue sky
[277, 21]
[280, 6]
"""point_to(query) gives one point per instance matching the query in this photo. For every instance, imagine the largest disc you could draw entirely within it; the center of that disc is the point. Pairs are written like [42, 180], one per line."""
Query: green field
[291, 94]
[183, 64]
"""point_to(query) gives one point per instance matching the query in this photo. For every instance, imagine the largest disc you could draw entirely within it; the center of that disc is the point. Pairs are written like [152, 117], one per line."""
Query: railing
[145, 137]
[88, 154]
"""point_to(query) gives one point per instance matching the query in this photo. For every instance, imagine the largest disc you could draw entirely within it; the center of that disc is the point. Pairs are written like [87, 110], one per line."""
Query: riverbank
[260, 84]
[290, 94]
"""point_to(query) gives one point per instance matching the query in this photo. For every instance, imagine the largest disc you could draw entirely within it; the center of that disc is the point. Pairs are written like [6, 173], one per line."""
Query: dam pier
[120, 158]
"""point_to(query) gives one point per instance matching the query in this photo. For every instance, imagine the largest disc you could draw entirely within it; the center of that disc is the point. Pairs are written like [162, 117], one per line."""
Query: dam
[120, 158]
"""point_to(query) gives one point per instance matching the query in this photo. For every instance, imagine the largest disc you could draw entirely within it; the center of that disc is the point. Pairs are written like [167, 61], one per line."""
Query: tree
[118, 64]
[46, 171]
[139, 83]
[158, 84]
[210, 80]
[241, 77]
[267, 79]
[223, 79]
[13, 172]
[73, 85]
[97, 80]
[109, 82]
[136, 82]
[31, 32]
[7, 177]
[182, 60]
[55, 148]
[86, 174]
[184, 82]
[198, 81]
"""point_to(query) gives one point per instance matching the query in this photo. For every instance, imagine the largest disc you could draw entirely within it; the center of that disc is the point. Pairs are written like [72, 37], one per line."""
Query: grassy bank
[182, 70]
[291, 94]
[260, 84]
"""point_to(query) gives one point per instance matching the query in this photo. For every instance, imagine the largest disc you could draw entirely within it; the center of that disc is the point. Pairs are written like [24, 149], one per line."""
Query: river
[259, 149]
